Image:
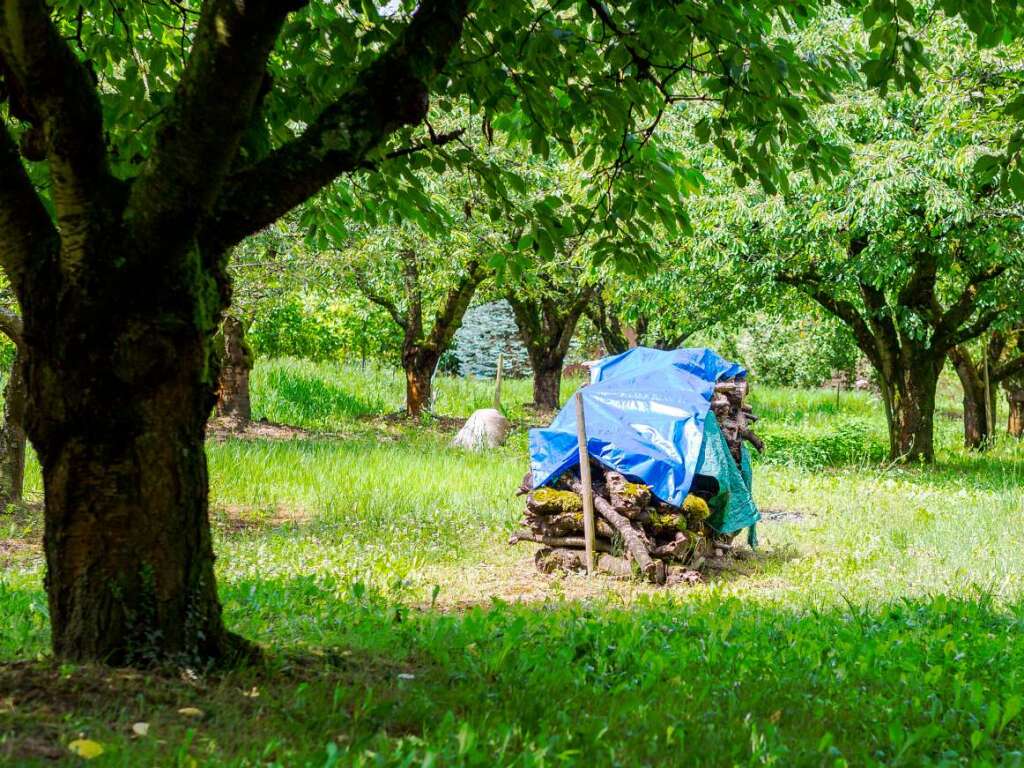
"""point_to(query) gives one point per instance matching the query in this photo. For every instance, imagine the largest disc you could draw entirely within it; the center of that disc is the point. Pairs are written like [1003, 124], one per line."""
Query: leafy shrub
[796, 352]
[845, 440]
[316, 327]
[314, 396]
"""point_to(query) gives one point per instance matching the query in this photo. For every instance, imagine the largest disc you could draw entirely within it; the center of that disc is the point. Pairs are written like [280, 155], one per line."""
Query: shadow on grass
[704, 682]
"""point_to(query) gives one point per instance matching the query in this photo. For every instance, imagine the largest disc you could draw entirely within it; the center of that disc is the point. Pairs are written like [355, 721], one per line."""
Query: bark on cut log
[627, 497]
[677, 549]
[572, 542]
[564, 523]
[653, 570]
[573, 560]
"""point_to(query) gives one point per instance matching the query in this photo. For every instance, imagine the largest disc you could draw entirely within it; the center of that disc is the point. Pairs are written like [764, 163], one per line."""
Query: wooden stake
[587, 488]
[497, 386]
[989, 426]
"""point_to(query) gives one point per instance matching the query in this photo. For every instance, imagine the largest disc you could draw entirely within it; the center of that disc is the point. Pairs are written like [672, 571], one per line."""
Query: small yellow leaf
[191, 712]
[190, 762]
[86, 748]
[140, 729]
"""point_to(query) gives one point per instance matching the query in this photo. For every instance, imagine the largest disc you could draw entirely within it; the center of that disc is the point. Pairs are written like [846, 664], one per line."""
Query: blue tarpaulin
[646, 411]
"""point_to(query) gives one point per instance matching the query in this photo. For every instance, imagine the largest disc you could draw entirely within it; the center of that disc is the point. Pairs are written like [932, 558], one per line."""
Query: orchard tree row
[142, 142]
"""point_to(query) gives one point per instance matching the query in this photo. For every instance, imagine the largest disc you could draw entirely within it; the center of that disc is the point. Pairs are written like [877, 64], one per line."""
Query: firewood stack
[636, 534]
[734, 416]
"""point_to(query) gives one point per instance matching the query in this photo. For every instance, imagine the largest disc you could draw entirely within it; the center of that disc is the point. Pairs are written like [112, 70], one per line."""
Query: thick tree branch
[200, 133]
[527, 320]
[975, 329]
[567, 322]
[448, 317]
[64, 105]
[413, 296]
[26, 230]
[880, 321]
[946, 331]
[390, 93]
[608, 325]
[1008, 370]
[844, 310]
[12, 327]
[383, 302]
[918, 294]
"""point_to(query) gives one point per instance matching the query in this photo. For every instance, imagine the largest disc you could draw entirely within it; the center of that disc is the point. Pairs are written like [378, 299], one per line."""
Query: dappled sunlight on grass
[879, 622]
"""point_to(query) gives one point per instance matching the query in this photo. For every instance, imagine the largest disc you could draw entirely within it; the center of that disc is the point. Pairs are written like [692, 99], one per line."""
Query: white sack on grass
[486, 428]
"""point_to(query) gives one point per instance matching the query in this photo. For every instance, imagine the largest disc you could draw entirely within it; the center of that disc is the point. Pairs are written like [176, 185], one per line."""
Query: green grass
[880, 624]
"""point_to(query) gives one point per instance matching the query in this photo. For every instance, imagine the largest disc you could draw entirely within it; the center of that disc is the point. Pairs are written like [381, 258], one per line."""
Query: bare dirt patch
[224, 428]
[238, 519]
[21, 533]
[14, 550]
[511, 576]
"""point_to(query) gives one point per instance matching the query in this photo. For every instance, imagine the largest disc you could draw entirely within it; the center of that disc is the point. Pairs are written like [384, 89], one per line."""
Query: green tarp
[733, 508]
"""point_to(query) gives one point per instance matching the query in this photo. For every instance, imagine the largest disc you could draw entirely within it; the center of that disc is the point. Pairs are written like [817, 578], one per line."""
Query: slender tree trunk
[12, 436]
[547, 383]
[910, 408]
[976, 433]
[117, 414]
[547, 328]
[419, 365]
[233, 399]
[1015, 400]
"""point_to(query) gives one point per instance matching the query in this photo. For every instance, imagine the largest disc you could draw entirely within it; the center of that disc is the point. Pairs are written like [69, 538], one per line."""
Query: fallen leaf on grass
[140, 729]
[191, 712]
[87, 749]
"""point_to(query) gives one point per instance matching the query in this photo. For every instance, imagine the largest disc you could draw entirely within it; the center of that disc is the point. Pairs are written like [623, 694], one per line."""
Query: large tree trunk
[233, 399]
[117, 414]
[547, 383]
[976, 432]
[1015, 399]
[910, 410]
[12, 436]
[419, 365]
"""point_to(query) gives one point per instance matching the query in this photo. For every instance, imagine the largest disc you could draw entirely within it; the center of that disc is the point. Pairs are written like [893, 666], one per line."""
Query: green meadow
[879, 622]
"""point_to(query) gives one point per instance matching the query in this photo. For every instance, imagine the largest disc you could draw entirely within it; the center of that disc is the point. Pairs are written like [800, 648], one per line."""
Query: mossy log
[549, 502]
[636, 546]
[662, 520]
[628, 498]
[564, 523]
[572, 542]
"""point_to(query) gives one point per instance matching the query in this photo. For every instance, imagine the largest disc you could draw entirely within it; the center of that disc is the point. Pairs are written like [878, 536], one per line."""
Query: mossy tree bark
[1004, 351]
[422, 348]
[1015, 400]
[12, 433]
[972, 381]
[546, 325]
[1011, 378]
[233, 399]
[886, 326]
[122, 290]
